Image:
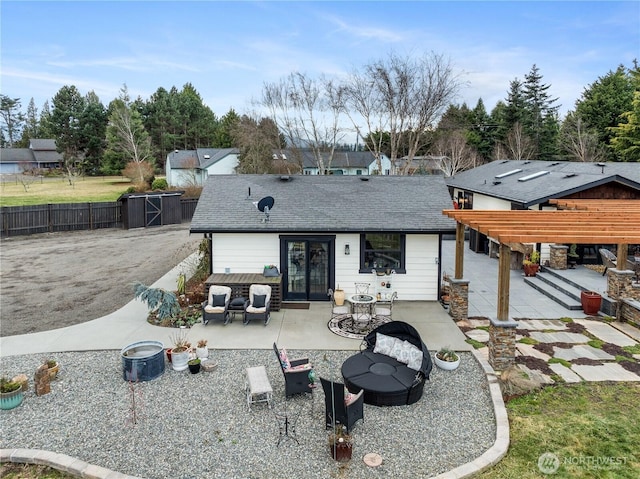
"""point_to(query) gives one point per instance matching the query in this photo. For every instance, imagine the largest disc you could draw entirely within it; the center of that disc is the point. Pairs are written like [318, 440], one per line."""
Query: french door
[307, 267]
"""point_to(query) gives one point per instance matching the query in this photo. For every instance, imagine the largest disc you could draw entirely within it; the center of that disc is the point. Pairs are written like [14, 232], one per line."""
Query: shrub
[159, 184]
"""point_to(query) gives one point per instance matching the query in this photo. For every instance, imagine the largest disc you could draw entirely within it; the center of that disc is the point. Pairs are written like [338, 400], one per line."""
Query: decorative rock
[372, 459]
[42, 380]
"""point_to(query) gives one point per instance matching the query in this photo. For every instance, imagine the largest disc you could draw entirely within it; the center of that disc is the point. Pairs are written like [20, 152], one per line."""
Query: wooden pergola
[575, 221]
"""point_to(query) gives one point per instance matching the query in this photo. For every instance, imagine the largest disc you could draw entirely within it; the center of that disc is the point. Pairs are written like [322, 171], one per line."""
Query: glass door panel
[296, 269]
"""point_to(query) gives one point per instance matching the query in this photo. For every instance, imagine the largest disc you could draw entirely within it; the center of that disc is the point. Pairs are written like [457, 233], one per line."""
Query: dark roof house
[324, 230]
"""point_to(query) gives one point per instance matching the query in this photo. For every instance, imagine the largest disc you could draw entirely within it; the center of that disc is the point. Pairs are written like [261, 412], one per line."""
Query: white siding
[482, 202]
[225, 166]
[248, 253]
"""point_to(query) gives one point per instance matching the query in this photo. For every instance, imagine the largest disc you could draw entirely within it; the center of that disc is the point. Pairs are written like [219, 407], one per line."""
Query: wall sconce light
[347, 250]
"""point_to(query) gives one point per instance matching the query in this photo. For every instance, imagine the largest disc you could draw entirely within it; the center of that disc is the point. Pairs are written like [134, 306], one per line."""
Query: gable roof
[534, 182]
[341, 159]
[38, 144]
[39, 151]
[324, 204]
[198, 158]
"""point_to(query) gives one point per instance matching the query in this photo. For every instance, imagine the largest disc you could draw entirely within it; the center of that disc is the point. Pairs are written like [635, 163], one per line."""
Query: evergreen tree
[12, 119]
[31, 128]
[68, 107]
[45, 129]
[93, 129]
[540, 116]
[603, 102]
[480, 134]
[626, 140]
[224, 137]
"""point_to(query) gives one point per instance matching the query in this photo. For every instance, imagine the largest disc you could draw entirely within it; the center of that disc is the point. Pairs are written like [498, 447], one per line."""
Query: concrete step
[569, 288]
[554, 293]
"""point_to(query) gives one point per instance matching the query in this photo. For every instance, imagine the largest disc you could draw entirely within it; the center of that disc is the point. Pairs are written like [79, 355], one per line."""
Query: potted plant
[531, 263]
[340, 444]
[338, 296]
[180, 351]
[447, 359]
[201, 349]
[194, 365]
[53, 367]
[11, 394]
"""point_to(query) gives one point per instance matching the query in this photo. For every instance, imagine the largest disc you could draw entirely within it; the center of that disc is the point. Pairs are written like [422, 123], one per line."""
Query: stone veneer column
[558, 258]
[459, 299]
[502, 343]
[620, 284]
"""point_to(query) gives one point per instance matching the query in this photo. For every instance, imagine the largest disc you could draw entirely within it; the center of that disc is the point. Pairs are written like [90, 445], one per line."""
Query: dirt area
[49, 281]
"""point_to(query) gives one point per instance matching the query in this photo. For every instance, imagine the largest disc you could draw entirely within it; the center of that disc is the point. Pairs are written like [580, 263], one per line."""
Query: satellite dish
[265, 205]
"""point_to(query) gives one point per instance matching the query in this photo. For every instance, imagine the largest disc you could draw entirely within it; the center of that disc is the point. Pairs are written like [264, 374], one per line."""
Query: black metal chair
[336, 411]
[296, 378]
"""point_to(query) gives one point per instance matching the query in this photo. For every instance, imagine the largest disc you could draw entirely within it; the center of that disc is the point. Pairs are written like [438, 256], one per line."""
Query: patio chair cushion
[219, 300]
[384, 344]
[284, 359]
[214, 309]
[259, 300]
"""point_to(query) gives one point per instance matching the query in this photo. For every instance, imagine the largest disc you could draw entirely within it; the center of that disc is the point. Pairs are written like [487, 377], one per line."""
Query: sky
[229, 50]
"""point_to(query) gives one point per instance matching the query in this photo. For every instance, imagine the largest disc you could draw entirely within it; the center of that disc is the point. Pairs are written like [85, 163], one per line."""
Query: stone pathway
[595, 353]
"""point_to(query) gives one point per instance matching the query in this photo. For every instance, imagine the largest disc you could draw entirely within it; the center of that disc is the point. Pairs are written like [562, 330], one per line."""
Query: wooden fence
[26, 220]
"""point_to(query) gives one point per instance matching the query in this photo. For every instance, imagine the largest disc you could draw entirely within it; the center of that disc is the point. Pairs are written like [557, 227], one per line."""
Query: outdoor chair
[338, 312]
[362, 288]
[383, 309]
[608, 259]
[216, 307]
[258, 306]
[340, 408]
[295, 371]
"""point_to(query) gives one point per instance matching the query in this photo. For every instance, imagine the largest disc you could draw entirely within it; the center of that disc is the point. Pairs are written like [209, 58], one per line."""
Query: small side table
[258, 387]
[236, 306]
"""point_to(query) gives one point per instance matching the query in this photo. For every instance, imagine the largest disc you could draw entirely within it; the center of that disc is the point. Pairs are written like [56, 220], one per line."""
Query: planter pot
[142, 361]
[202, 353]
[341, 451]
[446, 365]
[12, 399]
[180, 360]
[53, 371]
[168, 351]
[194, 368]
[338, 296]
[591, 302]
[531, 269]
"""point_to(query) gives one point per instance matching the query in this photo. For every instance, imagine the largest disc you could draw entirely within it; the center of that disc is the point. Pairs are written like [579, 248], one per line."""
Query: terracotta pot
[591, 302]
[341, 451]
[531, 269]
[168, 354]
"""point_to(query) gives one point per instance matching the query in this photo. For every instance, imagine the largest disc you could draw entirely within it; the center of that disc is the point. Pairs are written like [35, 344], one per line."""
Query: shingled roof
[534, 182]
[324, 203]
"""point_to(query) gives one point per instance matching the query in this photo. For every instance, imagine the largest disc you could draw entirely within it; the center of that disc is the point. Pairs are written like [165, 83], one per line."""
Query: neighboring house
[343, 163]
[41, 155]
[421, 165]
[192, 167]
[520, 184]
[329, 230]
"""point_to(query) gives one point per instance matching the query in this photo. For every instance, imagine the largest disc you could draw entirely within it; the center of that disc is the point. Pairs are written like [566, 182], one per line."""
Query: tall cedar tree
[68, 108]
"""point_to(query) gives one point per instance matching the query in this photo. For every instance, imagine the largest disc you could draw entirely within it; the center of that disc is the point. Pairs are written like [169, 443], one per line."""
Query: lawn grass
[593, 429]
[58, 190]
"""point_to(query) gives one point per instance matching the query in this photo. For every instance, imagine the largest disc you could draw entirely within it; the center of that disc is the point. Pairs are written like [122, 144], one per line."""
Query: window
[382, 251]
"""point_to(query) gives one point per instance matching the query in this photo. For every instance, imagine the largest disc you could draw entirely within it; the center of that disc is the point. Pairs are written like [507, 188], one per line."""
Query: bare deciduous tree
[405, 96]
[580, 143]
[455, 153]
[307, 112]
[518, 145]
[126, 134]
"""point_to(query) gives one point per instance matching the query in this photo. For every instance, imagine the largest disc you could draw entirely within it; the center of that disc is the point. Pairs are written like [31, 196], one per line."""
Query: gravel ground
[50, 281]
[198, 426]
